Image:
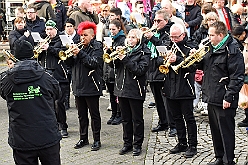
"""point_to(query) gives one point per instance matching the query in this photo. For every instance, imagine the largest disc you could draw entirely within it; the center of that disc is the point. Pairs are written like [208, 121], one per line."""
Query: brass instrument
[39, 48]
[114, 55]
[195, 57]
[164, 68]
[63, 55]
[10, 56]
[149, 30]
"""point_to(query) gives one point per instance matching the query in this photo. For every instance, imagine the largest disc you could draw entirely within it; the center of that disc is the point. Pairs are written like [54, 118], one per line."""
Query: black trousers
[83, 104]
[164, 113]
[113, 102]
[132, 121]
[182, 111]
[47, 156]
[222, 125]
[60, 107]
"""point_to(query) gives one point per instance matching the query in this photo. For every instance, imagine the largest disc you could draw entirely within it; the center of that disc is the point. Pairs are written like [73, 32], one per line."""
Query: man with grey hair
[155, 77]
[84, 12]
[179, 91]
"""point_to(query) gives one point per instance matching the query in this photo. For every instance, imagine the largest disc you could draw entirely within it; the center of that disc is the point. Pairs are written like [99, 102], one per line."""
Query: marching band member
[224, 70]
[180, 93]
[51, 62]
[155, 77]
[131, 68]
[118, 36]
[86, 83]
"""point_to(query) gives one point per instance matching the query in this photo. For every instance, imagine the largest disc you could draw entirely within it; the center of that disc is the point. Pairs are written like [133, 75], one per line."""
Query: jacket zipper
[93, 79]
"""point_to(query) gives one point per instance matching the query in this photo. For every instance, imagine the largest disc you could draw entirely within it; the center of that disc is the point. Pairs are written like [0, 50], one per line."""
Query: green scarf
[153, 47]
[220, 44]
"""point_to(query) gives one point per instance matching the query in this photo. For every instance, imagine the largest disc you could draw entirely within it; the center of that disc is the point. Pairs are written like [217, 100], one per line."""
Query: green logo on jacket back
[31, 94]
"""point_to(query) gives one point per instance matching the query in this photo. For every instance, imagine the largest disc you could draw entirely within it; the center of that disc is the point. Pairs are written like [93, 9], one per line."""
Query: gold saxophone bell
[38, 49]
[10, 56]
[191, 59]
[63, 55]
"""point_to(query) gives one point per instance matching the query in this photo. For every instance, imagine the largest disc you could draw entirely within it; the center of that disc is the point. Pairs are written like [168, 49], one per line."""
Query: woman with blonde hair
[202, 32]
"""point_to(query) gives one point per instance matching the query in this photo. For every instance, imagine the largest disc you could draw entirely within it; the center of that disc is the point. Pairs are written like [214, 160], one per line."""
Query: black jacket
[108, 70]
[30, 93]
[50, 60]
[200, 34]
[181, 85]
[17, 35]
[38, 25]
[87, 70]
[130, 81]
[193, 17]
[60, 13]
[153, 74]
[223, 74]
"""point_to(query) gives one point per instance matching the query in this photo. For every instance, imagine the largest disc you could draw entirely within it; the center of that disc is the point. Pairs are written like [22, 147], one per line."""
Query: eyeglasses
[31, 12]
[105, 10]
[69, 26]
[157, 20]
[141, 7]
[176, 37]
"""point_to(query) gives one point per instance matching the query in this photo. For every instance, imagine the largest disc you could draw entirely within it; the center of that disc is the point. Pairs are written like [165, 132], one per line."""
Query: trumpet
[10, 56]
[63, 55]
[39, 48]
[114, 55]
[149, 30]
[164, 68]
[195, 57]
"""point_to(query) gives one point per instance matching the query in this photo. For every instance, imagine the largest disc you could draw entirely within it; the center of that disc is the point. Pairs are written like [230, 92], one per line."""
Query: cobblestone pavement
[155, 147]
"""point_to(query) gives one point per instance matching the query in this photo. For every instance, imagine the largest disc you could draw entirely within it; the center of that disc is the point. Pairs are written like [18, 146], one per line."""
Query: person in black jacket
[118, 36]
[224, 70]
[19, 33]
[130, 84]
[30, 93]
[180, 93]
[87, 66]
[60, 13]
[50, 60]
[155, 77]
[202, 32]
[33, 22]
[193, 17]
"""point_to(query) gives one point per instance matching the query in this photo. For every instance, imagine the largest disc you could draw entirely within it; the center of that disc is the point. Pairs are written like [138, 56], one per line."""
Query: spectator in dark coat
[193, 16]
[2, 24]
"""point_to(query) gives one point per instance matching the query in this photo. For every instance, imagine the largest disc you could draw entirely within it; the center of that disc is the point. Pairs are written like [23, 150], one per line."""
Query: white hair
[177, 26]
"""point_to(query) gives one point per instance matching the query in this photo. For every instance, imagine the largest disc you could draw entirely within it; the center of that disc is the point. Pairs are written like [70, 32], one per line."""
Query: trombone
[195, 57]
[63, 55]
[39, 48]
[10, 56]
[114, 55]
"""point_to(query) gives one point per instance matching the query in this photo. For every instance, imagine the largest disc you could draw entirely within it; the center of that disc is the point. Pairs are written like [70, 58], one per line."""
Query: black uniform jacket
[50, 59]
[181, 85]
[30, 93]
[200, 34]
[153, 74]
[108, 70]
[87, 70]
[130, 81]
[223, 74]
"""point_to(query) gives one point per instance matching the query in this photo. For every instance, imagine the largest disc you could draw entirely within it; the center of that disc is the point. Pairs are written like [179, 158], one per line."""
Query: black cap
[71, 21]
[23, 50]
